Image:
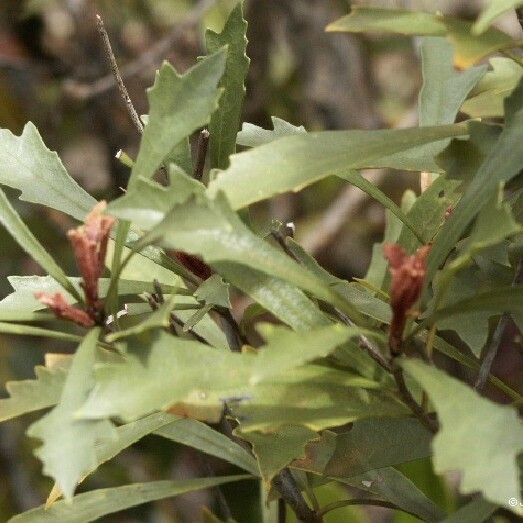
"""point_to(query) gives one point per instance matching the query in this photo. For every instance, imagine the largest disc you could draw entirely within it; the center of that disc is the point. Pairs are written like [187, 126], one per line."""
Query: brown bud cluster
[56, 302]
[408, 275]
[89, 242]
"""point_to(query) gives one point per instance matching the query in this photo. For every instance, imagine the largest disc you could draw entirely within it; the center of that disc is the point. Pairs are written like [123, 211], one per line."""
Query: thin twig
[409, 400]
[497, 338]
[117, 76]
[145, 61]
[349, 502]
[366, 344]
[201, 154]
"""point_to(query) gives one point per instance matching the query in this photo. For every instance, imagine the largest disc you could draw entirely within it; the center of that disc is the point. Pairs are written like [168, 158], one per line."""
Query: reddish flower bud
[89, 243]
[56, 302]
[408, 274]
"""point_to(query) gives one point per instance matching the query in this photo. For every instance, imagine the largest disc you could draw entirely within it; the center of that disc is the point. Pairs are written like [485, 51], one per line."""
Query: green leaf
[147, 202]
[10, 219]
[356, 179]
[29, 330]
[200, 436]
[493, 224]
[504, 299]
[225, 121]
[22, 300]
[475, 511]
[391, 485]
[444, 90]
[287, 303]
[469, 48]
[487, 98]
[314, 396]
[32, 395]
[452, 352]
[204, 376]
[366, 19]
[502, 164]
[493, 9]
[27, 165]
[95, 504]
[489, 465]
[428, 211]
[210, 229]
[214, 291]
[294, 162]
[275, 451]
[159, 318]
[252, 135]
[370, 444]
[178, 106]
[68, 443]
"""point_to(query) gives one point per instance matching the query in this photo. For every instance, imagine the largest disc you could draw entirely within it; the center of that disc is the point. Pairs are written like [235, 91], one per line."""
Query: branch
[117, 76]
[409, 400]
[497, 338]
[292, 495]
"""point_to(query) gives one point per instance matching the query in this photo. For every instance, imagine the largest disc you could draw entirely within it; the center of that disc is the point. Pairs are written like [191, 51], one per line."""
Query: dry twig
[117, 76]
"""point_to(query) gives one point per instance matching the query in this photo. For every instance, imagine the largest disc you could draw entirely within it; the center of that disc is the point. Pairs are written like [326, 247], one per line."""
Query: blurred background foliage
[53, 72]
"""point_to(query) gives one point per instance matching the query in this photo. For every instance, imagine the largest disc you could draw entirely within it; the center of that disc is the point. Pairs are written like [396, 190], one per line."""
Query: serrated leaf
[200, 436]
[314, 396]
[178, 371]
[68, 443]
[487, 98]
[488, 466]
[178, 106]
[225, 121]
[146, 203]
[276, 450]
[32, 395]
[10, 219]
[252, 135]
[469, 48]
[294, 162]
[95, 504]
[493, 225]
[501, 164]
[214, 291]
[210, 229]
[27, 165]
[444, 90]
[493, 9]
[125, 436]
